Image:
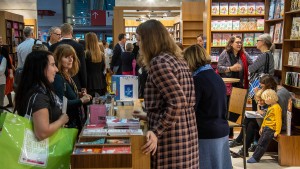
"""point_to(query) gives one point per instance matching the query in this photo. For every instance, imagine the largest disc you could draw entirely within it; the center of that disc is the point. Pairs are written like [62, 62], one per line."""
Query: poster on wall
[109, 17]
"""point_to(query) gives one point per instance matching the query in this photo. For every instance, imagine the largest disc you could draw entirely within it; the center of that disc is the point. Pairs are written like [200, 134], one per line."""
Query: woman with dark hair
[68, 66]
[35, 97]
[234, 61]
[172, 138]
[95, 65]
[252, 127]
[210, 110]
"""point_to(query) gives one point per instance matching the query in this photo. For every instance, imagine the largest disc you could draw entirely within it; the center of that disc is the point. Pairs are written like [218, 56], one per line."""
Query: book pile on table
[113, 122]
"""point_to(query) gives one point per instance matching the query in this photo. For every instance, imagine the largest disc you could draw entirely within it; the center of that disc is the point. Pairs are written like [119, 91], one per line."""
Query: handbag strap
[34, 96]
[266, 69]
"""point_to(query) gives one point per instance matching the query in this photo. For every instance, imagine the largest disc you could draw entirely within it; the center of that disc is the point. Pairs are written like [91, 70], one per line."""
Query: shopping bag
[20, 149]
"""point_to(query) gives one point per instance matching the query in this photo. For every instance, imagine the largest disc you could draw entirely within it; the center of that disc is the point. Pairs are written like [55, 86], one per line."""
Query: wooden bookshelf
[212, 17]
[224, 46]
[288, 146]
[11, 30]
[192, 21]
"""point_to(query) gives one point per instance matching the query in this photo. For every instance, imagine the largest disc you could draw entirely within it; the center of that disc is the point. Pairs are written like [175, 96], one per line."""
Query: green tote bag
[19, 148]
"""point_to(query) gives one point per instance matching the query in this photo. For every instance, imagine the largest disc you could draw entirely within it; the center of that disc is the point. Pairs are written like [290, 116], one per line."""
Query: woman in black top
[95, 66]
[36, 94]
[127, 58]
[68, 65]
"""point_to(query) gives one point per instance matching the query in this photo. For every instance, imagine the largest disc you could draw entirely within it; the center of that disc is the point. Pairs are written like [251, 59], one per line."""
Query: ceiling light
[109, 4]
[150, 1]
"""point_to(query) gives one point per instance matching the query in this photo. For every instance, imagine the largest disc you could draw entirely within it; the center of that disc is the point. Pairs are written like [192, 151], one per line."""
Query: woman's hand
[236, 67]
[275, 134]
[85, 98]
[140, 115]
[64, 118]
[151, 145]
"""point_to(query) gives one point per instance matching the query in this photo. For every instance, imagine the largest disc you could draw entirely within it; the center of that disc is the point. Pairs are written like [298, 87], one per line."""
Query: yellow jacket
[273, 118]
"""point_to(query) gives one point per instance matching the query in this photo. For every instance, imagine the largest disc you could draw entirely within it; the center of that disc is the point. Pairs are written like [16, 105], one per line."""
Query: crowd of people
[186, 100]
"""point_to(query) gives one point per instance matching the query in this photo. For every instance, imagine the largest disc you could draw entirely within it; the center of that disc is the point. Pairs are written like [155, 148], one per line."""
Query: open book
[253, 114]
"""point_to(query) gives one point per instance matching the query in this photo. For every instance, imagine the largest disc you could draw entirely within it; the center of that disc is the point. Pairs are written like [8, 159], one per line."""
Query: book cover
[295, 28]
[223, 25]
[235, 24]
[259, 8]
[281, 9]
[244, 24]
[217, 39]
[238, 35]
[277, 58]
[248, 39]
[296, 59]
[242, 8]
[215, 8]
[271, 32]
[117, 141]
[116, 150]
[223, 8]
[225, 38]
[214, 25]
[277, 9]
[97, 114]
[291, 58]
[252, 24]
[233, 8]
[251, 8]
[87, 151]
[228, 24]
[260, 24]
[277, 33]
[272, 9]
[99, 141]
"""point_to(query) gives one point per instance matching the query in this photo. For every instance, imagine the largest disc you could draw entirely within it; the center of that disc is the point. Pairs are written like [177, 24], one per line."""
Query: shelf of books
[230, 18]
[291, 75]
[110, 141]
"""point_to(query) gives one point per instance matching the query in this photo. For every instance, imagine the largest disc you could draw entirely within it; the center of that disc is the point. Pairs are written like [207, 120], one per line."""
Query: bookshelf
[290, 143]
[130, 33]
[176, 34]
[11, 30]
[222, 24]
[192, 22]
[273, 19]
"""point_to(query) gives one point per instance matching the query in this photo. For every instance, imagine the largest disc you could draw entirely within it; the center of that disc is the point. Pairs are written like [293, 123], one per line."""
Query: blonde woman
[210, 110]
[68, 66]
[172, 138]
[95, 65]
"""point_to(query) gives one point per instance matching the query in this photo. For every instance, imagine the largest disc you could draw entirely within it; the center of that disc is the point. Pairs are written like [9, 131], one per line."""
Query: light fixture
[151, 1]
[109, 4]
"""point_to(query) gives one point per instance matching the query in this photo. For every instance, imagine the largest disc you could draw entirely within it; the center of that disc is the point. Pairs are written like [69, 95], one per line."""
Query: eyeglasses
[57, 34]
[258, 40]
[239, 43]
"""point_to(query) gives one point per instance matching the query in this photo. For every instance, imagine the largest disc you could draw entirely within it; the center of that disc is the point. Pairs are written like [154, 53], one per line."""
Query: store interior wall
[26, 8]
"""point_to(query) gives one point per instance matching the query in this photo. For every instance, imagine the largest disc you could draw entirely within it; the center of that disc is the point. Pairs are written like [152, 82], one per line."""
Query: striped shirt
[24, 49]
[259, 64]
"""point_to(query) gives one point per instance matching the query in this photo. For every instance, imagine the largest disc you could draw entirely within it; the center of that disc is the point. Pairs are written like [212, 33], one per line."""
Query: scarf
[234, 60]
[202, 68]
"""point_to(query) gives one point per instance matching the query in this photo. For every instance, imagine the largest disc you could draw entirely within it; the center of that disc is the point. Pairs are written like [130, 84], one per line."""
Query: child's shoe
[252, 148]
[252, 160]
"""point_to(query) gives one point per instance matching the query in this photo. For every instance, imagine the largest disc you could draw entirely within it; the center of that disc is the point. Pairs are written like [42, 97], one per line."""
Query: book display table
[102, 148]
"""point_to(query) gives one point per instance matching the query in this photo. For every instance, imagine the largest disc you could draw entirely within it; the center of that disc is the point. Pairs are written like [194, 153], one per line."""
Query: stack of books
[113, 122]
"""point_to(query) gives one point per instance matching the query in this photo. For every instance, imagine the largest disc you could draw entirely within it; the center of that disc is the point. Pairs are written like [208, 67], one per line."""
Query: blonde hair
[196, 56]
[66, 50]
[258, 94]
[92, 47]
[154, 39]
[269, 94]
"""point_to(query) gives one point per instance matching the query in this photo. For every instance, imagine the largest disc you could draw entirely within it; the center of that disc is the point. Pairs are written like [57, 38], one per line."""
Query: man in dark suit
[67, 38]
[54, 36]
[116, 61]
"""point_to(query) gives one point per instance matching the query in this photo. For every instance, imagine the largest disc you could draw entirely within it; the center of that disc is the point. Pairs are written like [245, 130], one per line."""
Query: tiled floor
[268, 161]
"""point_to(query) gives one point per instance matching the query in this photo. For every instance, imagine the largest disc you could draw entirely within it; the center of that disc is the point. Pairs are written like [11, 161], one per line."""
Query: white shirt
[24, 49]
[2, 70]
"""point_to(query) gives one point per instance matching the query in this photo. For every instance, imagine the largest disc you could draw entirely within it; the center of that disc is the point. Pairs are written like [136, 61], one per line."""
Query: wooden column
[118, 24]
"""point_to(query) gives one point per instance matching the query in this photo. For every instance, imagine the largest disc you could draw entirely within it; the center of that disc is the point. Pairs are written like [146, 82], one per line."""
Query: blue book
[272, 9]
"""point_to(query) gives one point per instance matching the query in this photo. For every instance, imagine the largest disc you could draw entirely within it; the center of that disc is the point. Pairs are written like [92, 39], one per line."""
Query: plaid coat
[169, 100]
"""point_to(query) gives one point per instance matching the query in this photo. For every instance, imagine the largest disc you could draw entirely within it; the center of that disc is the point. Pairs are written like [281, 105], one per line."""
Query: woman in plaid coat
[172, 138]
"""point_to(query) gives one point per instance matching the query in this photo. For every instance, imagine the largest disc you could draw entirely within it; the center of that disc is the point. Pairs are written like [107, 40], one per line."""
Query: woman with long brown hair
[95, 65]
[172, 138]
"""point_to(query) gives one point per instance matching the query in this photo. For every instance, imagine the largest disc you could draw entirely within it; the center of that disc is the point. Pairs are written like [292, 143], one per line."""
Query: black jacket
[116, 59]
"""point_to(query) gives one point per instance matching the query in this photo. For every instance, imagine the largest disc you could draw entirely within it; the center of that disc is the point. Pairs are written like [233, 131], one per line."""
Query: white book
[296, 59]
[253, 114]
[291, 58]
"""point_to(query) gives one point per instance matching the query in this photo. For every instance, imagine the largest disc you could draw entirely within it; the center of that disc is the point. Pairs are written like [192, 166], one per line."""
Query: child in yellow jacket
[271, 125]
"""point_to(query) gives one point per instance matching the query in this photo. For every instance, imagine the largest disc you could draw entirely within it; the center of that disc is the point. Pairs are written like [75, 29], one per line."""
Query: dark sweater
[127, 58]
[211, 105]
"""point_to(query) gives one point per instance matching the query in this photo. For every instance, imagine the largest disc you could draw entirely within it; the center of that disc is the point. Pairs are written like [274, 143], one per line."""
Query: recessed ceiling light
[109, 4]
